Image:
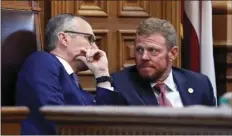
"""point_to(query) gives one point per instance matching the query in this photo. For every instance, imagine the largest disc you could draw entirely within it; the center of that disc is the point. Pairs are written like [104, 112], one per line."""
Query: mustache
[145, 64]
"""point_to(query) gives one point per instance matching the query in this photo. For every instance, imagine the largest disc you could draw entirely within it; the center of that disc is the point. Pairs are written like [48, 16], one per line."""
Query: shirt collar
[67, 67]
[169, 81]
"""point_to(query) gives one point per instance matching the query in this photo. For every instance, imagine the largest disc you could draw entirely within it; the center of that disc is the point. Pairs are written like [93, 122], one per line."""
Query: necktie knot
[161, 87]
[162, 99]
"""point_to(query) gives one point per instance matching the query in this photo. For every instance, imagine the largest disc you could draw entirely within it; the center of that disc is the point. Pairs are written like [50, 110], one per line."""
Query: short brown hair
[155, 25]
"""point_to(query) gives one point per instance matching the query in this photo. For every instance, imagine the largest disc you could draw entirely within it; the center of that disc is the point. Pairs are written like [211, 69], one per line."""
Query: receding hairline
[81, 21]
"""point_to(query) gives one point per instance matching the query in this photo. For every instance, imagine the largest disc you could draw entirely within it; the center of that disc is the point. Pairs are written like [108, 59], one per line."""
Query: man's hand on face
[95, 60]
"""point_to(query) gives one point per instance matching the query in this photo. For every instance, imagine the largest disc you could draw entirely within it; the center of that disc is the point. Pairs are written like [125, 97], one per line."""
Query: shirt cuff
[105, 85]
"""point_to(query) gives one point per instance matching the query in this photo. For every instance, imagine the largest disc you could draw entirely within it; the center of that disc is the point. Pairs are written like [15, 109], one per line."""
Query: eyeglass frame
[91, 39]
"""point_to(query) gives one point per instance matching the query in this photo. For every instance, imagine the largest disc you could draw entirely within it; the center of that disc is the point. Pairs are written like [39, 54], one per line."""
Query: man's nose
[94, 46]
[145, 55]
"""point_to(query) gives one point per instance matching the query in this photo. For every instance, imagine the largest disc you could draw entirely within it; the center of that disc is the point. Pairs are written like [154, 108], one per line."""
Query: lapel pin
[190, 90]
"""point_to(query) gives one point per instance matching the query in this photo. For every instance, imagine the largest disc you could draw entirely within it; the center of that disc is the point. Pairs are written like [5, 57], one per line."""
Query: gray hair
[152, 26]
[58, 24]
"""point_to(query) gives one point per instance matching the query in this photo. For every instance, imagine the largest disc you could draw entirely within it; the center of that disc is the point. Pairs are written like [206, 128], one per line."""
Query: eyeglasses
[87, 36]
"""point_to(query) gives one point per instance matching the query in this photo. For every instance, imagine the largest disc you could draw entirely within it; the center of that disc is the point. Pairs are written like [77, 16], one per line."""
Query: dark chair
[18, 41]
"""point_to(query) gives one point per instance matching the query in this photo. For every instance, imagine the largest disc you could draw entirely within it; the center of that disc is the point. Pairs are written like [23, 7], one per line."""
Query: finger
[98, 54]
[81, 52]
[88, 57]
[83, 59]
[101, 53]
[94, 54]
[91, 53]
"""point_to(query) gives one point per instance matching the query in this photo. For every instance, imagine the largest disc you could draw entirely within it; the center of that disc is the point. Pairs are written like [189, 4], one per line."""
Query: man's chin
[149, 77]
[146, 77]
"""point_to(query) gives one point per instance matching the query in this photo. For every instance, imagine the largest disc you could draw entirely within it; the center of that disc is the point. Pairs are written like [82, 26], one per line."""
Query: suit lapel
[182, 85]
[74, 86]
[144, 89]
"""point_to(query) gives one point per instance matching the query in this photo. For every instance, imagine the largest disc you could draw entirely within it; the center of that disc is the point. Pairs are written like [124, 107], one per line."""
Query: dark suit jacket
[44, 81]
[136, 91]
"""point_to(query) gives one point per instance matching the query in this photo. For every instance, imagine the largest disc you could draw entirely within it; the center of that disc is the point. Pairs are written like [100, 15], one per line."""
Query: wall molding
[222, 7]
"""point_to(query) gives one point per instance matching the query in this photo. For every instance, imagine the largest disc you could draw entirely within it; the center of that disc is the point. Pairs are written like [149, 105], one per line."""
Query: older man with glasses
[49, 77]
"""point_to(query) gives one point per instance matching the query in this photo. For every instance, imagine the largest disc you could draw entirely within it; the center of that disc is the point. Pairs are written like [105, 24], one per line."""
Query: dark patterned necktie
[75, 79]
[162, 99]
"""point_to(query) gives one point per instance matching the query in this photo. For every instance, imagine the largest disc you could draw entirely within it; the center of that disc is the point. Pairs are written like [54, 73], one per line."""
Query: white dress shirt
[67, 67]
[172, 93]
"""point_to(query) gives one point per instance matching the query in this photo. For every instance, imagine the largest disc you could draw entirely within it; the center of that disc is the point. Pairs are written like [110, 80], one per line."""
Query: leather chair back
[18, 40]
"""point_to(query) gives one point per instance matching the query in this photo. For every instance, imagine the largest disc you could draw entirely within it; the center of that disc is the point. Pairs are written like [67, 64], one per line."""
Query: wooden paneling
[222, 36]
[126, 40]
[21, 5]
[133, 8]
[11, 118]
[97, 8]
[44, 17]
[171, 12]
[62, 6]
[222, 7]
[229, 69]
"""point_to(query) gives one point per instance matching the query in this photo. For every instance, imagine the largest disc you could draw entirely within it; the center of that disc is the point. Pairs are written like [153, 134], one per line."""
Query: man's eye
[152, 51]
[139, 50]
[92, 39]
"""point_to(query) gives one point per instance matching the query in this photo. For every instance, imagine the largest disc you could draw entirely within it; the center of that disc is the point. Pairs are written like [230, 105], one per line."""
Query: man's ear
[173, 53]
[63, 38]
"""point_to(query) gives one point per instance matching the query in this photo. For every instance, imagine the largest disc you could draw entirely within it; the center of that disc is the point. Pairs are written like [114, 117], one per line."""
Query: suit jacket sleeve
[108, 97]
[38, 85]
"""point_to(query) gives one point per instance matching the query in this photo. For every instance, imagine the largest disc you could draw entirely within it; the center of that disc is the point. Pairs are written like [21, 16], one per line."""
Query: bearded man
[154, 80]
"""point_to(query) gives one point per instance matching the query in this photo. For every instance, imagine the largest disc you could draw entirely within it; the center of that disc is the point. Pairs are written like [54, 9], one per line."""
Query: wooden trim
[12, 110]
[222, 43]
[21, 5]
[11, 118]
[141, 11]
[98, 9]
[121, 38]
[134, 120]
[13, 113]
[172, 12]
[222, 7]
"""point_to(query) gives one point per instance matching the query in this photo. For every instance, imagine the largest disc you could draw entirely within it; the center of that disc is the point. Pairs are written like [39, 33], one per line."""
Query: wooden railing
[11, 118]
[140, 120]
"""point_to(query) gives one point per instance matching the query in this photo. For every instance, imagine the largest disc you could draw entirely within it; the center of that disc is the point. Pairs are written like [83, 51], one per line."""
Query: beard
[156, 73]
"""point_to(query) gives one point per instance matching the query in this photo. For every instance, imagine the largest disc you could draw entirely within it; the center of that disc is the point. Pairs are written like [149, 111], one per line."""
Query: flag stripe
[190, 48]
[197, 42]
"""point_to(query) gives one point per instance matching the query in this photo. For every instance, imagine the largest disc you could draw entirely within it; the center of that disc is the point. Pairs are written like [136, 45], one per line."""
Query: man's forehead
[83, 26]
[154, 38]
